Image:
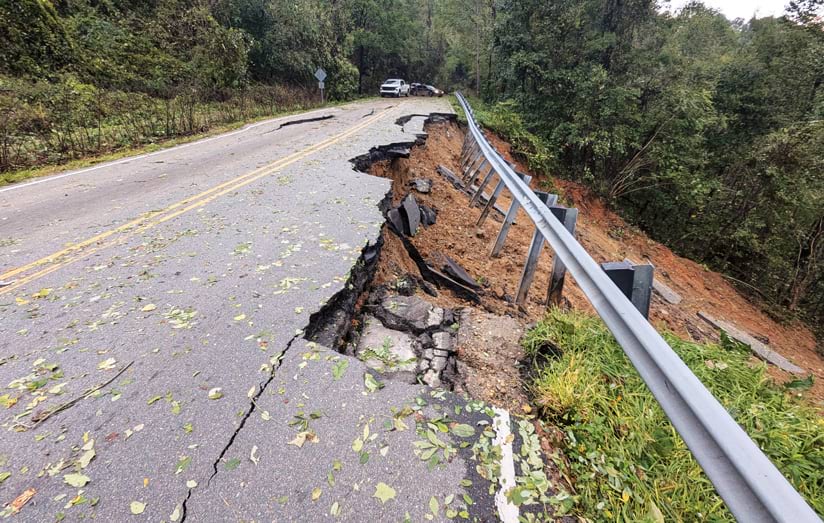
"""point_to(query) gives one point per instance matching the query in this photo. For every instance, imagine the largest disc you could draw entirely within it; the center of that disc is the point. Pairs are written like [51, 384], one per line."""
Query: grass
[624, 459]
[16, 176]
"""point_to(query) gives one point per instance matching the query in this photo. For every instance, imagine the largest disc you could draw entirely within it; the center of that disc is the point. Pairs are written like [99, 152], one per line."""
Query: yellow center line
[149, 220]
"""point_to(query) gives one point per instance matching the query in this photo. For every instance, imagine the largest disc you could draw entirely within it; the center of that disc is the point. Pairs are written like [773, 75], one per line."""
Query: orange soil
[605, 236]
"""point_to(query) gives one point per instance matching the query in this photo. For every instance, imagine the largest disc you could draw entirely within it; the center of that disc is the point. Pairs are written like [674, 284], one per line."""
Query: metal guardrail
[751, 486]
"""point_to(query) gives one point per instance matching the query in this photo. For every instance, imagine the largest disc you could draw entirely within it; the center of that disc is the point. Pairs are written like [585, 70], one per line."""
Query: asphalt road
[152, 363]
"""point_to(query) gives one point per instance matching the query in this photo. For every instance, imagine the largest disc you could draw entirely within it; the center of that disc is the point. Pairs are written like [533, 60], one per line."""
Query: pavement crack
[302, 120]
[252, 406]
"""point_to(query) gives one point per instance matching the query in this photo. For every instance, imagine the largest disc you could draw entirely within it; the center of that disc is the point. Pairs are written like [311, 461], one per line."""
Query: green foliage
[32, 38]
[627, 461]
[700, 130]
[502, 118]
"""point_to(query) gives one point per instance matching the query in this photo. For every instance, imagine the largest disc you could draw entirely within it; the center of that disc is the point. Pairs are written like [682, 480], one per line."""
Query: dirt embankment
[604, 235]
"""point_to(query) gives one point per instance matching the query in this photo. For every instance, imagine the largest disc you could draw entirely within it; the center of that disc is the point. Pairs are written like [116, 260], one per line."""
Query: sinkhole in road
[415, 308]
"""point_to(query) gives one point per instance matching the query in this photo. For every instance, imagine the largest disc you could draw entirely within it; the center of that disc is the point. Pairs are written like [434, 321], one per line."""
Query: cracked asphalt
[152, 362]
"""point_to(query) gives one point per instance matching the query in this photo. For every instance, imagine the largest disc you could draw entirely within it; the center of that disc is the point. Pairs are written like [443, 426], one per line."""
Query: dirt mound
[604, 234]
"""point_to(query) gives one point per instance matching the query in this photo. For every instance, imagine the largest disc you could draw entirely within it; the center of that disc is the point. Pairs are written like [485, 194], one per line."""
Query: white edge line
[507, 512]
[248, 127]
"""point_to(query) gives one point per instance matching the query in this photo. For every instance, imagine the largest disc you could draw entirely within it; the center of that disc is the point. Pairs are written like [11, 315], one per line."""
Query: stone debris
[387, 350]
[422, 185]
[758, 348]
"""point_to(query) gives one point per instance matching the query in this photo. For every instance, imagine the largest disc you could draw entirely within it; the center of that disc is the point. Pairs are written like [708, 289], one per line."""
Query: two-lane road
[148, 304]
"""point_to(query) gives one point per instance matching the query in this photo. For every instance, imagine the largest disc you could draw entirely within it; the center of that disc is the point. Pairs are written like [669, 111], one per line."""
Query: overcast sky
[741, 8]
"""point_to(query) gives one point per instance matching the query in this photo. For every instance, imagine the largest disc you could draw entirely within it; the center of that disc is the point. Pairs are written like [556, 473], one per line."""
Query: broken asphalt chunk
[411, 214]
[396, 220]
[428, 215]
[452, 268]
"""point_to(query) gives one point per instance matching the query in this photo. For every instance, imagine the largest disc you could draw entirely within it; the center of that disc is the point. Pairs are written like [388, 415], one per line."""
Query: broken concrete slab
[432, 378]
[422, 185]
[386, 350]
[408, 313]
[758, 348]
[452, 268]
[442, 341]
[411, 214]
[435, 317]
[438, 363]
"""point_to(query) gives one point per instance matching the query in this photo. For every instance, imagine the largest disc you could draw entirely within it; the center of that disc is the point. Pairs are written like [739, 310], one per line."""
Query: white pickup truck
[395, 87]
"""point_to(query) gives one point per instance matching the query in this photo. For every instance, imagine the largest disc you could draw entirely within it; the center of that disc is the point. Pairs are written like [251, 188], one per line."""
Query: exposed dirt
[489, 359]
[605, 236]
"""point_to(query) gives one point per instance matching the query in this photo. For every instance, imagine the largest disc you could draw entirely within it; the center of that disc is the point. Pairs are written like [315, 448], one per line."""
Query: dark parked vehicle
[424, 90]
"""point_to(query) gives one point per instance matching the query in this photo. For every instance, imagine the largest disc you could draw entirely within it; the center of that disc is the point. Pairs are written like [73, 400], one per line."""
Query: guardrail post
[509, 219]
[534, 253]
[567, 216]
[481, 187]
[635, 281]
[472, 156]
[469, 143]
[470, 175]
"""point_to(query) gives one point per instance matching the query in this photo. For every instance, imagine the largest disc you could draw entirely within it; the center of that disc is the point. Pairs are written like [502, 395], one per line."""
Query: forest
[705, 132]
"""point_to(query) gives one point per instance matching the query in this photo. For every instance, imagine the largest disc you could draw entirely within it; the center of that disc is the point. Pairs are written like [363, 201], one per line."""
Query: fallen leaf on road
[303, 437]
[136, 507]
[215, 393]
[149, 308]
[384, 492]
[434, 506]
[316, 493]
[22, 499]
[7, 401]
[108, 364]
[339, 368]
[463, 430]
[371, 384]
[86, 458]
[42, 293]
[76, 480]
[183, 464]
[335, 510]
[253, 455]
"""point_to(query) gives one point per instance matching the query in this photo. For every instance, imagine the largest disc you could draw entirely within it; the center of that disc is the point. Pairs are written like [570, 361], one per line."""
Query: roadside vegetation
[704, 132]
[623, 459]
